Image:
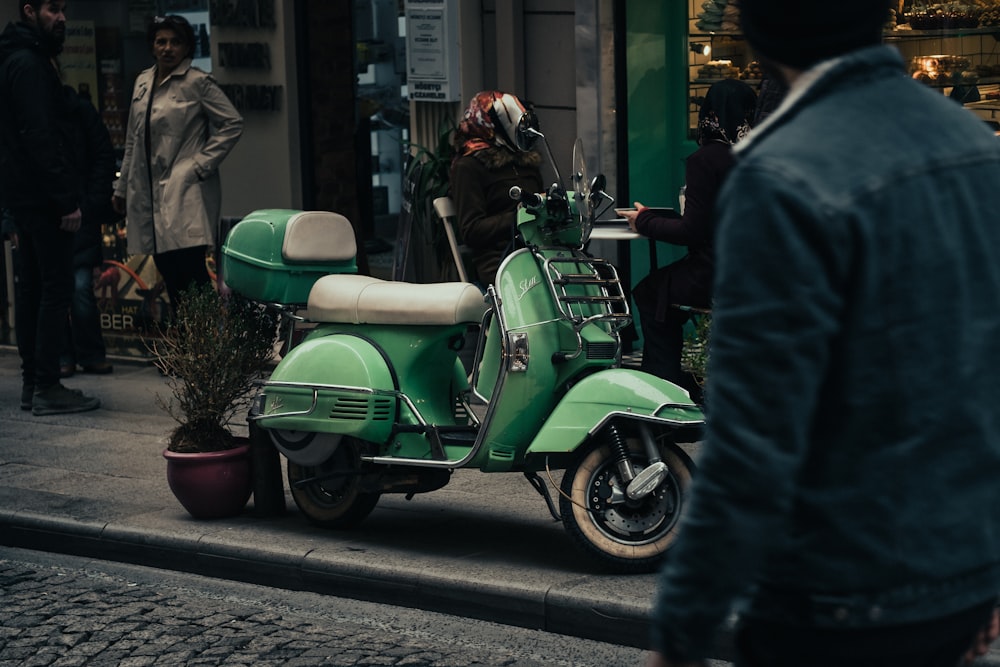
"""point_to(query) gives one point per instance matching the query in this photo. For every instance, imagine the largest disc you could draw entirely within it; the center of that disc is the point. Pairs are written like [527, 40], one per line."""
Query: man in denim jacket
[849, 489]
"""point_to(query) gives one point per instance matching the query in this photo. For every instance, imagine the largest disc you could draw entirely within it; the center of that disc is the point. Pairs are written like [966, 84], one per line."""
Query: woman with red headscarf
[488, 163]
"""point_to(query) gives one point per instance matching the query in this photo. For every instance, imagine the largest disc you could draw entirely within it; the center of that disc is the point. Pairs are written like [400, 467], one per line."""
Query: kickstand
[543, 491]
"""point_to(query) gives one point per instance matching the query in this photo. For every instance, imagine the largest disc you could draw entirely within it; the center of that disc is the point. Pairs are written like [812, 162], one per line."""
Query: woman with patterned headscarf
[488, 162]
[725, 117]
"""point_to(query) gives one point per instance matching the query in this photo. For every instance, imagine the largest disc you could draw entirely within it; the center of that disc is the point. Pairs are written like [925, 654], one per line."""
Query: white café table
[618, 230]
[615, 232]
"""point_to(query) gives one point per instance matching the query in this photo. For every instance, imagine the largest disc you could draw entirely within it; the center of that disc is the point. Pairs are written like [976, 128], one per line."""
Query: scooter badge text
[526, 285]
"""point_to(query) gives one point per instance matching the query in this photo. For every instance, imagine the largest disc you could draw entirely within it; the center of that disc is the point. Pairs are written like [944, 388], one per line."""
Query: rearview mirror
[527, 131]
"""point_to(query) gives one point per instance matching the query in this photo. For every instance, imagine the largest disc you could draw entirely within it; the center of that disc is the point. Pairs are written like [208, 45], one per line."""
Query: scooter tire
[333, 502]
[630, 537]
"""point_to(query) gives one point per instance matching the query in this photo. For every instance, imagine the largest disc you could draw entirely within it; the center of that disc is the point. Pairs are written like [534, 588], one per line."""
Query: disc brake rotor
[627, 518]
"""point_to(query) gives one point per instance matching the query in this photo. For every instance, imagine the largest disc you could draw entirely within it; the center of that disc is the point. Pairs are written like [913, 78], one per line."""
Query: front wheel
[330, 494]
[623, 535]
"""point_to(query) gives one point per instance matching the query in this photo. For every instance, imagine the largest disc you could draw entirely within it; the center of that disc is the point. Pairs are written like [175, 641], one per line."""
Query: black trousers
[180, 270]
[662, 344]
[937, 643]
[43, 294]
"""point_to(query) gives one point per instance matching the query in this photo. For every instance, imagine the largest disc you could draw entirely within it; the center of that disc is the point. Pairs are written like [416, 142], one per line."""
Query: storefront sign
[243, 13]
[79, 59]
[431, 50]
[247, 97]
[252, 55]
[139, 14]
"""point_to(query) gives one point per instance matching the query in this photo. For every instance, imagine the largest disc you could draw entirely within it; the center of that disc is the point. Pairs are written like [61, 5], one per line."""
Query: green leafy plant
[694, 356]
[212, 353]
[427, 177]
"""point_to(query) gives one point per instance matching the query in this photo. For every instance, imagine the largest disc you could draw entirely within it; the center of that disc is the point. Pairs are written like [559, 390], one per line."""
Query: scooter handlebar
[529, 199]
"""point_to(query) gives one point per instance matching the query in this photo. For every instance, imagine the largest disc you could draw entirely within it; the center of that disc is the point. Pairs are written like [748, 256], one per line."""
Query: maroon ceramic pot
[211, 485]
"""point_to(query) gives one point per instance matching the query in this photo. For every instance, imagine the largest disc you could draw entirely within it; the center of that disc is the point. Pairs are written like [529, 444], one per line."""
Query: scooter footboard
[600, 397]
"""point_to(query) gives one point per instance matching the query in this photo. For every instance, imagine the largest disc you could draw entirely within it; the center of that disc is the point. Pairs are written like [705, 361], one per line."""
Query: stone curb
[570, 610]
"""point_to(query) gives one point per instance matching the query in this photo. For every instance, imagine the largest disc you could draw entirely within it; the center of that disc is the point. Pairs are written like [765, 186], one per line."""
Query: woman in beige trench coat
[180, 128]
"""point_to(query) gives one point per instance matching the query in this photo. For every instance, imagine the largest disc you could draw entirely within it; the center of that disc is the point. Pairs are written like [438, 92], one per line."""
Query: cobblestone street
[62, 611]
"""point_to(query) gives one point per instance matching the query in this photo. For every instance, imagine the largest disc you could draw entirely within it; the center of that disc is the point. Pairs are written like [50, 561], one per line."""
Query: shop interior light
[701, 49]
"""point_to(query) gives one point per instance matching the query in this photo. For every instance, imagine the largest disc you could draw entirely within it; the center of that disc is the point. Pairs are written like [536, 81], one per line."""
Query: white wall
[264, 170]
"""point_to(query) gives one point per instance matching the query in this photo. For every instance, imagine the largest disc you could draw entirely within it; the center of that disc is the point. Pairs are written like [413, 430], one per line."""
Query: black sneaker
[57, 400]
[27, 391]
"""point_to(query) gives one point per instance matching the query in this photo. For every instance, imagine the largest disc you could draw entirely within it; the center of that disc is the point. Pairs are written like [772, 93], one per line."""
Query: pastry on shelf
[941, 67]
[892, 22]
[752, 72]
[711, 16]
[945, 16]
[718, 69]
[731, 17]
[990, 17]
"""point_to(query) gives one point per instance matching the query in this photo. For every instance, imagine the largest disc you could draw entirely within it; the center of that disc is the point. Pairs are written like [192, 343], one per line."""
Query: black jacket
[35, 170]
[93, 158]
[689, 279]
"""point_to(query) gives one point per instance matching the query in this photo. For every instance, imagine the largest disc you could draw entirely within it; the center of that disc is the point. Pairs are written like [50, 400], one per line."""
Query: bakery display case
[717, 51]
[951, 46]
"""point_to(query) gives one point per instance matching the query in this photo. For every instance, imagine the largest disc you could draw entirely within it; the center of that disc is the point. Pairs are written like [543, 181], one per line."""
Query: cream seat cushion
[318, 236]
[358, 299]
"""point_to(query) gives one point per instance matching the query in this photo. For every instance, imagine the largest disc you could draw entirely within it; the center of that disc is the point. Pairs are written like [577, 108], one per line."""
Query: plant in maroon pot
[214, 350]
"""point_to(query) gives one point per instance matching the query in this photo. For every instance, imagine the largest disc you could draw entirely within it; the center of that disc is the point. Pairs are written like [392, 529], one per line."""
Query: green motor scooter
[376, 398]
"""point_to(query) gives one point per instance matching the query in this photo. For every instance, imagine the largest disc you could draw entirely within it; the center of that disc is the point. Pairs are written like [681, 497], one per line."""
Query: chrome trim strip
[384, 460]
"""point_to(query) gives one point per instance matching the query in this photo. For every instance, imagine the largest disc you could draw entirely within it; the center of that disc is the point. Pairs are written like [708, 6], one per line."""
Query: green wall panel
[656, 71]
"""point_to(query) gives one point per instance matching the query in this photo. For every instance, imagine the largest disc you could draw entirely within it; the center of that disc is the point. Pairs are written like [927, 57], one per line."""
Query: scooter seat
[358, 299]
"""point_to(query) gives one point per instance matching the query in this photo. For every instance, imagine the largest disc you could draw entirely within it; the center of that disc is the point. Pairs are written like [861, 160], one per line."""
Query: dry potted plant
[212, 353]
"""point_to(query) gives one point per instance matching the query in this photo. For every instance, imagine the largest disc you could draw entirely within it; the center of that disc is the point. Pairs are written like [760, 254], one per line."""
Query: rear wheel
[330, 494]
[624, 535]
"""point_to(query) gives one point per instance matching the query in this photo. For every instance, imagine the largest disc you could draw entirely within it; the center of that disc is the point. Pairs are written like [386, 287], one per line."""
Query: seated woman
[488, 163]
[724, 118]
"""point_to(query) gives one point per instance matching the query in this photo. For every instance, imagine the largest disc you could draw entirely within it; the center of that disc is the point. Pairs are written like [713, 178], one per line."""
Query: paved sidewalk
[485, 546]
[94, 484]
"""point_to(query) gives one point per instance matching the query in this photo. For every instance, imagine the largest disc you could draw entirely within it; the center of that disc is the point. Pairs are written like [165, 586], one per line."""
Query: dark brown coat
[480, 188]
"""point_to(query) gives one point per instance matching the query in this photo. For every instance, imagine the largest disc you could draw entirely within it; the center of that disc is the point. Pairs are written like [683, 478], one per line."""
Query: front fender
[596, 399]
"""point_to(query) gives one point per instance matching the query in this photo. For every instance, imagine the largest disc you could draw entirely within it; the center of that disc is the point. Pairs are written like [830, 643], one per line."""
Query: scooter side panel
[528, 398]
[524, 399]
[338, 359]
[620, 390]
[429, 372]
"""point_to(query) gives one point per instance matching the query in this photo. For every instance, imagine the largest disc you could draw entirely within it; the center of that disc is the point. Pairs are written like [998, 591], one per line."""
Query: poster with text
[79, 59]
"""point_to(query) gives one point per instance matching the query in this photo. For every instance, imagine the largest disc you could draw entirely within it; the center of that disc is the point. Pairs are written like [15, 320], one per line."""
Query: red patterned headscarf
[478, 126]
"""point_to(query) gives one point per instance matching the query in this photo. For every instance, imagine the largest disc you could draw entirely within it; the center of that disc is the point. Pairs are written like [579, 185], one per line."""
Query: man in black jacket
[38, 186]
[94, 160]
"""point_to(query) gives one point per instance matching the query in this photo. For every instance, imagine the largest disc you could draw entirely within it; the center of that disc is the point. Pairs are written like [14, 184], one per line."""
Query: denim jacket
[851, 471]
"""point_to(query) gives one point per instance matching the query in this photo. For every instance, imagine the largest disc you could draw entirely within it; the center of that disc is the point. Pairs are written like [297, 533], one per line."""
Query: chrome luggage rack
[602, 287]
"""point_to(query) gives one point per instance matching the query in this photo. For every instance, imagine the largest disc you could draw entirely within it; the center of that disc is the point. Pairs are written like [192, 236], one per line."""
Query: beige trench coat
[174, 199]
